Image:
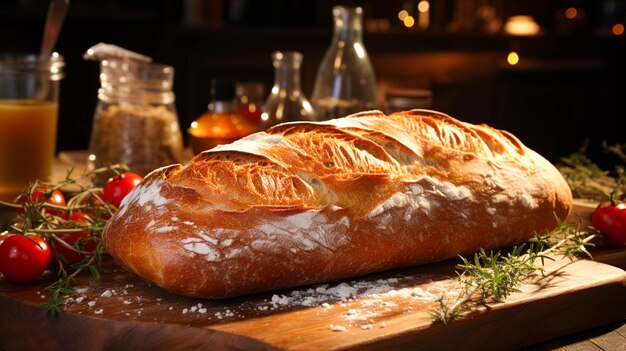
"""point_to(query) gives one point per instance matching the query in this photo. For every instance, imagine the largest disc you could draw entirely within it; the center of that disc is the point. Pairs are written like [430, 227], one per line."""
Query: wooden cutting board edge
[69, 332]
[596, 302]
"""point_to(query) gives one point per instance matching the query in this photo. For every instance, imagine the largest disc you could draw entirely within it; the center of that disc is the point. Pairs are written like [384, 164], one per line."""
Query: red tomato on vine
[43, 194]
[23, 259]
[72, 239]
[610, 220]
[117, 187]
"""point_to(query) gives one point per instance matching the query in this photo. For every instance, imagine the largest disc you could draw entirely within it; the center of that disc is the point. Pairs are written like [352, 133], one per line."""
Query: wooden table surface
[611, 337]
[605, 331]
[125, 310]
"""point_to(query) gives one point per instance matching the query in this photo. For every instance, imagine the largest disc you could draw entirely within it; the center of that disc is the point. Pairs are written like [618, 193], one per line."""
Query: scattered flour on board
[354, 304]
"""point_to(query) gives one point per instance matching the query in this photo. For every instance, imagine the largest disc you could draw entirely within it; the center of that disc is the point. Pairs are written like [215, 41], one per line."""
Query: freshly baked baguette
[312, 202]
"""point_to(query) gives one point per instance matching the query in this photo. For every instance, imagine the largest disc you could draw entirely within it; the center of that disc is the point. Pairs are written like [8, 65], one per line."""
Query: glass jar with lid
[135, 122]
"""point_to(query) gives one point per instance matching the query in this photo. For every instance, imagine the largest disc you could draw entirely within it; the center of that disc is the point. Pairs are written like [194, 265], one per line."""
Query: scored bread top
[315, 164]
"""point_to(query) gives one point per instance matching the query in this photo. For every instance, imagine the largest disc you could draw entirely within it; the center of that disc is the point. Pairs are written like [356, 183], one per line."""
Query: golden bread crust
[310, 202]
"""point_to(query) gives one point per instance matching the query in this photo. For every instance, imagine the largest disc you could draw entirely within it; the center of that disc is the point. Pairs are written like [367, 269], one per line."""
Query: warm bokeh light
[409, 21]
[512, 58]
[571, 13]
[360, 51]
[403, 14]
[423, 6]
[618, 29]
[521, 25]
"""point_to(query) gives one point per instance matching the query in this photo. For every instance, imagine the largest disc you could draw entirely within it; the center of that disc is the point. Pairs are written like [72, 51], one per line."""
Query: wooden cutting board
[386, 311]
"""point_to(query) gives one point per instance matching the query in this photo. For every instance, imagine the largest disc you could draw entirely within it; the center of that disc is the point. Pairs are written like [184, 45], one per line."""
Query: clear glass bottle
[345, 81]
[221, 124]
[135, 122]
[286, 101]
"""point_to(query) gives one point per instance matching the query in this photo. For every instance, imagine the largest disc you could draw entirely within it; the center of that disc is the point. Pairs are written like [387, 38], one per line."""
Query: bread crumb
[366, 326]
[185, 310]
[91, 303]
[338, 328]
[100, 311]
[107, 293]
[383, 325]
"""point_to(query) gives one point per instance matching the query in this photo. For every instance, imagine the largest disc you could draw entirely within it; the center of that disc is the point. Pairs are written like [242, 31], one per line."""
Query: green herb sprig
[587, 180]
[492, 277]
[41, 218]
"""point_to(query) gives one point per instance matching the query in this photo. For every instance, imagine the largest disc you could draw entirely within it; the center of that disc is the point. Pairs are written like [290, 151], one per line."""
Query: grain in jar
[135, 122]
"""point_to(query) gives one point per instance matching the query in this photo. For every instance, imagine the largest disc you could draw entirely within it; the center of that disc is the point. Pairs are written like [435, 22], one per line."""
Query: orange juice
[28, 131]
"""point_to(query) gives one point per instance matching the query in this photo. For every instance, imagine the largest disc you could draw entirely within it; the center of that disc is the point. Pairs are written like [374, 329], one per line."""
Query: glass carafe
[286, 101]
[345, 81]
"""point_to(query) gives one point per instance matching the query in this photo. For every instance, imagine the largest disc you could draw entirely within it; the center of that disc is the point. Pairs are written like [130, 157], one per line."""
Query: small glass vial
[345, 81]
[135, 122]
[250, 96]
[286, 102]
[398, 100]
[221, 124]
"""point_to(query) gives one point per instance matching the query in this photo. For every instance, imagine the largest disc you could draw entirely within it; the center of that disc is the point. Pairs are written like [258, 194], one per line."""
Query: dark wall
[567, 87]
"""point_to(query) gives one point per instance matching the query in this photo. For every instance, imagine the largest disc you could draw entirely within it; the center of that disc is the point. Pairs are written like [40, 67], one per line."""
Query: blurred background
[551, 72]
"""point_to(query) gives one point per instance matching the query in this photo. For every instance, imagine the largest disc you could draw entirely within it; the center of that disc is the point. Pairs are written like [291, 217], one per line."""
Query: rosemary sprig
[587, 179]
[44, 219]
[492, 277]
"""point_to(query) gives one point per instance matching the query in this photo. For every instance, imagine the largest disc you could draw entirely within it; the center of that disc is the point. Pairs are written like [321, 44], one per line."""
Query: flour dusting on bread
[305, 203]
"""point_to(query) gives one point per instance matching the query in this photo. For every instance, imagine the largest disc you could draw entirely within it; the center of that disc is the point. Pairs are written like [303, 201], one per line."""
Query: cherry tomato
[610, 219]
[117, 187]
[72, 239]
[40, 194]
[98, 208]
[23, 259]
[3, 236]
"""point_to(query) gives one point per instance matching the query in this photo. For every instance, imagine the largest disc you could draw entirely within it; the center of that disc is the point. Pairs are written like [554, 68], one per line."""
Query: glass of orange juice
[29, 96]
